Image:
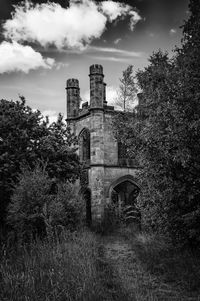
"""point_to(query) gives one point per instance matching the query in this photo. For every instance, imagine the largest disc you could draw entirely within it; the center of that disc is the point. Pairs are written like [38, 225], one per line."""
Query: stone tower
[96, 86]
[73, 97]
[108, 175]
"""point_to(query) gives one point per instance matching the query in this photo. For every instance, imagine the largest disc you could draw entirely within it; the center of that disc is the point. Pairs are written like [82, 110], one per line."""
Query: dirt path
[120, 256]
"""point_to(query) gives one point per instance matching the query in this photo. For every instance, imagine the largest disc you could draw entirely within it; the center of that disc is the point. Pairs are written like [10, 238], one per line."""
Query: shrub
[36, 209]
[65, 209]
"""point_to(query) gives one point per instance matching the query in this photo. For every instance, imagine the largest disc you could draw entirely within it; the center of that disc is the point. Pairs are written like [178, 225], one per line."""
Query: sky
[43, 43]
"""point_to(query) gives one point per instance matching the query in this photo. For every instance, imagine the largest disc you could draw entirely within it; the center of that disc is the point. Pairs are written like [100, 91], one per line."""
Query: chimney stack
[97, 88]
[73, 97]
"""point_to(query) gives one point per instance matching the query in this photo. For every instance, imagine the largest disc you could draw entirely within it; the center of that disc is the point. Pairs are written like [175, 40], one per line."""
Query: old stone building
[107, 175]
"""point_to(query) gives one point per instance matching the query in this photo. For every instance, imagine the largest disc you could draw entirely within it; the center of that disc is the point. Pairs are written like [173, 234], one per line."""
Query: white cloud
[16, 57]
[173, 31]
[113, 10]
[117, 41]
[72, 27]
[60, 65]
[117, 51]
[135, 18]
[111, 59]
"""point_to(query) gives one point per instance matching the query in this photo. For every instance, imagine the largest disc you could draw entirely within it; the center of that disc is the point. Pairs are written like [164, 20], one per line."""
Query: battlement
[97, 94]
[72, 83]
[96, 69]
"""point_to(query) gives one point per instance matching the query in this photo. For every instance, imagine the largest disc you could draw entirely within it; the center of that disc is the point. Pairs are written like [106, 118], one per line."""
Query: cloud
[60, 65]
[135, 18]
[172, 31]
[16, 57]
[117, 51]
[72, 27]
[113, 10]
[117, 41]
[111, 59]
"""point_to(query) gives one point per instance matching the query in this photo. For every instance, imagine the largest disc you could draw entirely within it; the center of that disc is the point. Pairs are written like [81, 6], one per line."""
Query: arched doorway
[123, 194]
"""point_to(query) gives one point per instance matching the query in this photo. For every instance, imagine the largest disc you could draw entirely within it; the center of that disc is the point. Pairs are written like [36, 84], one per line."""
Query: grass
[76, 267]
[164, 272]
[58, 270]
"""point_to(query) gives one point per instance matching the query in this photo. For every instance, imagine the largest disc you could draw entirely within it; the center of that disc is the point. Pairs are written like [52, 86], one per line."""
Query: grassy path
[111, 253]
[119, 255]
[126, 278]
[85, 266]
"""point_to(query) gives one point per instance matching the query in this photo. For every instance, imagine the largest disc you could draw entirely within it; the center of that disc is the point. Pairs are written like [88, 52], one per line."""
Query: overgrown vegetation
[64, 268]
[180, 269]
[39, 206]
[26, 139]
[155, 270]
[48, 254]
[163, 135]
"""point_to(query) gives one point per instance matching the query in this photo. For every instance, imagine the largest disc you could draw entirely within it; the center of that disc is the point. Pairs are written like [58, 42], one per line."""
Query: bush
[36, 209]
[65, 208]
[178, 269]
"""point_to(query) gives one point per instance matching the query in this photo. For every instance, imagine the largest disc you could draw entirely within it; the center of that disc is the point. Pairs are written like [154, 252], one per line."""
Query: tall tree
[26, 138]
[166, 136]
[127, 91]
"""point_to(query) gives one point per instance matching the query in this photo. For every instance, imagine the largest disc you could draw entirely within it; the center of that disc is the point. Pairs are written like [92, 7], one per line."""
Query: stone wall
[110, 143]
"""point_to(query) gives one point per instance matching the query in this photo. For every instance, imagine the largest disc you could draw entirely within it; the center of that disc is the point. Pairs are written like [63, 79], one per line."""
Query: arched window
[84, 145]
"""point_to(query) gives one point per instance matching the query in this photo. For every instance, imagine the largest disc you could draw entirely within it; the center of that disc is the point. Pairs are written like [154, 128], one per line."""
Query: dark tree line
[27, 139]
[164, 136]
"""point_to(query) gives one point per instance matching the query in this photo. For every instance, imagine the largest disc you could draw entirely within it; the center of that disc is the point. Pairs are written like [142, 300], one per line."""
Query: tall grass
[172, 274]
[60, 269]
[81, 267]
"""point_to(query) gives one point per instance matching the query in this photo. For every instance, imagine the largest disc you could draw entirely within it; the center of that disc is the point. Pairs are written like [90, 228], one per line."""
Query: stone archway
[123, 192]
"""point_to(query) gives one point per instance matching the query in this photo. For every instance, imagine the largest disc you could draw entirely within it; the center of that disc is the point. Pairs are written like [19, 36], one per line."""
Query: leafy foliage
[164, 135]
[36, 209]
[26, 138]
[168, 143]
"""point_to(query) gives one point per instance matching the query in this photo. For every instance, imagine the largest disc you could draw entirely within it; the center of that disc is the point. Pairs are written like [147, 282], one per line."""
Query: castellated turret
[73, 97]
[97, 88]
